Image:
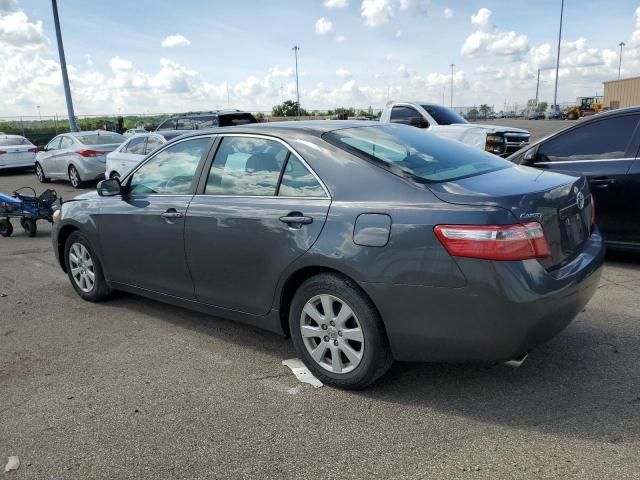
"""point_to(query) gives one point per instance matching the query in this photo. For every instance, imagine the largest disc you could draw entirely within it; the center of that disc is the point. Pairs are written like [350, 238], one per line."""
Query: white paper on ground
[12, 464]
[301, 372]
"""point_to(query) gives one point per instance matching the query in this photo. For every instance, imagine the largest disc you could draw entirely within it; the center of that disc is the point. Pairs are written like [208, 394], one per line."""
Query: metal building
[622, 93]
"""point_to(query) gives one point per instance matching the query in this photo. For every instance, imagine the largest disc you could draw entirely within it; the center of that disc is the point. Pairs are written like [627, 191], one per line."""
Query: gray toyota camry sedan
[364, 242]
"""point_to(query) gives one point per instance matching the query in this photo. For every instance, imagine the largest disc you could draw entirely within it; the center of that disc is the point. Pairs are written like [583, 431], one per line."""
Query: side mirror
[109, 188]
[42, 148]
[418, 122]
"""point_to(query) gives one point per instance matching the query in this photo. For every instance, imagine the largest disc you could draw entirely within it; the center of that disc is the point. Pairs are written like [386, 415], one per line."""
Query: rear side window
[604, 139]
[136, 146]
[184, 124]
[230, 119]
[298, 181]
[408, 151]
[201, 123]
[152, 143]
[246, 166]
[171, 171]
[168, 125]
[403, 114]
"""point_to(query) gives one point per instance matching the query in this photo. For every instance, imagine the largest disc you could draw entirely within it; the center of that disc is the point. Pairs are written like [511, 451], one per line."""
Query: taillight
[91, 153]
[2, 152]
[593, 211]
[521, 241]
[34, 150]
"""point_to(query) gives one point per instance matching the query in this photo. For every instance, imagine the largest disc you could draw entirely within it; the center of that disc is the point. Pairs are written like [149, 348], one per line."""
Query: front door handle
[601, 182]
[296, 219]
[172, 213]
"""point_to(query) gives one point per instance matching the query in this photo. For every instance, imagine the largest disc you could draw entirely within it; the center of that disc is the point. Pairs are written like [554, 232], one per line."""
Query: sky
[165, 56]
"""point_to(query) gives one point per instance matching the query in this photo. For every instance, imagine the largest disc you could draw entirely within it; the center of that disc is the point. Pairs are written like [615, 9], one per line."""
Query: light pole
[452, 65]
[295, 53]
[537, 87]
[621, 44]
[63, 67]
[555, 91]
[39, 116]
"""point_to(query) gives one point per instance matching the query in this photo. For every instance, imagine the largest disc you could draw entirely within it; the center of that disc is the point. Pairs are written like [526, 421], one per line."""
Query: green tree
[542, 107]
[484, 109]
[288, 108]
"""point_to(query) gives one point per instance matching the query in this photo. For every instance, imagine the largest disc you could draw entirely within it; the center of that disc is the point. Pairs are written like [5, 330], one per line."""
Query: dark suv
[205, 120]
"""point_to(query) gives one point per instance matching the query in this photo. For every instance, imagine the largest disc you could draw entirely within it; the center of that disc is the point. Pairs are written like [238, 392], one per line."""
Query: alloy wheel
[74, 176]
[82, 268]
[332, 334]
[39, 172]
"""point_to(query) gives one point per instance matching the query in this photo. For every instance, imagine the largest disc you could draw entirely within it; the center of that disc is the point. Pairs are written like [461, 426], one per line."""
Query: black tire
[30, 227]
[74, 177]
[376, 357]
[114, 175]
[100, 289]
[40, 174]
[6, 229]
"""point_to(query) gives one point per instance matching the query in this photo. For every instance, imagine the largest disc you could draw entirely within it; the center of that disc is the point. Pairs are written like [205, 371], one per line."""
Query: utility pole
[295, 53]
[621, 44]
[39, 115]
[555, 92]
[63, 67]
[452, 65]
[537, 87]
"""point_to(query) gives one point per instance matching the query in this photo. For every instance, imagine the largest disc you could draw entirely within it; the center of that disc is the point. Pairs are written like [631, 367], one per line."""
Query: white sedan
[16, 152]
[130, 153]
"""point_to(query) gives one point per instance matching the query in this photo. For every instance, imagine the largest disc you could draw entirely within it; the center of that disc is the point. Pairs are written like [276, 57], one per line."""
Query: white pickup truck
[446, 123]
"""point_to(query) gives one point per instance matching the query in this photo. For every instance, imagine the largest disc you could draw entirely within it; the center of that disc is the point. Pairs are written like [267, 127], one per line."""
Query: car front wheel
[40, 174]
[338, 332]
[84, 269]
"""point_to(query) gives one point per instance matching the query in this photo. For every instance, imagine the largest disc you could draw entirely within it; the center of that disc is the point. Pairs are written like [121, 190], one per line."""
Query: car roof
[314, 128]
[90, 132]
[212, 112]
[7, 135]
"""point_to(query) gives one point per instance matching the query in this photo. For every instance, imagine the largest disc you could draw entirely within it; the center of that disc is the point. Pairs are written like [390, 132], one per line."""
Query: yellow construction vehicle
[584, 107]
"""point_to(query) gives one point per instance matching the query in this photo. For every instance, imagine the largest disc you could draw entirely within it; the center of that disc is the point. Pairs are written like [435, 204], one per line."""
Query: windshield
[442, 115]
[14, 141]
[101, 139]
[406, 150]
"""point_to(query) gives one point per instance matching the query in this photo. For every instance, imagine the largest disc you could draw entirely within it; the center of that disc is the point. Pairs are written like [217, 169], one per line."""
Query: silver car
[76, 156]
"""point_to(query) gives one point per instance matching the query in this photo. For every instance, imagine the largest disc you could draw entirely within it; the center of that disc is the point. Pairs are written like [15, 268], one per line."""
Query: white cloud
[343, 73]
[488, 40]
[118, 64]
[447, 12]
[402, 70]
[376, 12]
[416, 6]
[335, 3]
[176, 40]
[340, 38]
[323, 26]
[17, 32]
[398, 33]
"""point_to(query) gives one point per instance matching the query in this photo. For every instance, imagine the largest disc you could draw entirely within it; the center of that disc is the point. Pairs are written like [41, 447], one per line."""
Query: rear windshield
[101, 139]
[405, 150]
[14, 141]
[227, 120]
[442, 115]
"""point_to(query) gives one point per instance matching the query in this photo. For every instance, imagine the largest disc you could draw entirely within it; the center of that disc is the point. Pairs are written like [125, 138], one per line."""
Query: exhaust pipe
[516, 362]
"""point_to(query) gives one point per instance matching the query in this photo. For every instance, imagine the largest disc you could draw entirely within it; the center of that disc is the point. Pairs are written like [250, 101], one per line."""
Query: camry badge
[580, 200]
[529, 216]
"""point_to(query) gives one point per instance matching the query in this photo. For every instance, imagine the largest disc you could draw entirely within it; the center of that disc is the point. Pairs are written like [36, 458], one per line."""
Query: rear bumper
[91, 169]
[505, 310]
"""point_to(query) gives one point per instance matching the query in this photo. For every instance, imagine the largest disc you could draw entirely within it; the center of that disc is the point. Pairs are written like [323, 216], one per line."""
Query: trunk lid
[560, 203]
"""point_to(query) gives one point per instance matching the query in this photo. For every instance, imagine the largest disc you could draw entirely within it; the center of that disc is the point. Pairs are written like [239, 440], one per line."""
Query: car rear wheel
[6, 229]
[40, 174]
[84, 269]
[74, 177]
[338, 332]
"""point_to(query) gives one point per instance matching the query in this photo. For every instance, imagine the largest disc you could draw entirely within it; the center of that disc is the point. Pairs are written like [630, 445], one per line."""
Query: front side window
[168, 125]
[604, 139]
[415, 153]
[136, 146]
[246, 166]
[54, 144]
[403, 114]
[202, 123]
[171, 171]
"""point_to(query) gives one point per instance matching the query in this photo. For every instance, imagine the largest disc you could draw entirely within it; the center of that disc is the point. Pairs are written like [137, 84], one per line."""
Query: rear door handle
[172, 214]
[296, 219]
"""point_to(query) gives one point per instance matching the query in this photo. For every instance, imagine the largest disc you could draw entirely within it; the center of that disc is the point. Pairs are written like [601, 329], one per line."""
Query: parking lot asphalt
[132, 388]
